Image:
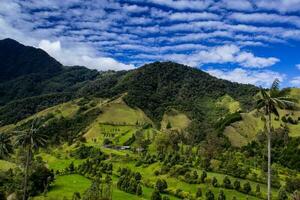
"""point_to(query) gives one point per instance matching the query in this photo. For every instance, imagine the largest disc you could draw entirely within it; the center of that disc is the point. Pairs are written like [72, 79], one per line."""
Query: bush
[221, 195]
[161, 185]
[292, 184]
[203, 176]
[86, 151]
[237, 185]
[155, 195]
[214, 182]
[199, 192]
[282, 194]
[227, 183]
[209, 195]
[247, 188]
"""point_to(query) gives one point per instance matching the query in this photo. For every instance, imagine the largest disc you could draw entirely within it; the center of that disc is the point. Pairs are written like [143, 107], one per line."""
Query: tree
[257, 191]
[155, 195]
[30, 139]
[169, 125]
[5, 145]
[214, 182]
[247, 187]
[282, 194]
[209, 195]
[221, 195]
[237, 185]
[139, 190]
[161, 185]
[76, 196]
[199, 192]
[227, 183]
[166, 198]
[268, 104]
[203, 176]
[71, 167]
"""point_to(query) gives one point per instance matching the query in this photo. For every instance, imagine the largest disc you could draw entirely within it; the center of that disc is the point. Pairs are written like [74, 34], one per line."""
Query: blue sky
[246, 41]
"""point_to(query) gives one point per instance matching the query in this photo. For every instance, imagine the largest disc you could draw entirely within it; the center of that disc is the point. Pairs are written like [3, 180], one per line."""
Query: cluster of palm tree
[30, 140]
[268, 103]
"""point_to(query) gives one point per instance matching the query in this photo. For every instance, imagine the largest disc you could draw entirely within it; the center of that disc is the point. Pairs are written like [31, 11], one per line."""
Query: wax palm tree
[268, 103]
[30, 139]
[5, 145]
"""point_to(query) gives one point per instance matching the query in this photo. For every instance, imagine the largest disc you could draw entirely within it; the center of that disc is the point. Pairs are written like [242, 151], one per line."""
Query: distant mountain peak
[17, 60]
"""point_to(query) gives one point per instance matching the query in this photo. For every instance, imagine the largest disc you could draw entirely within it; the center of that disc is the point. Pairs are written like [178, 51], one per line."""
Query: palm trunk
[26, 173]
[269, 157]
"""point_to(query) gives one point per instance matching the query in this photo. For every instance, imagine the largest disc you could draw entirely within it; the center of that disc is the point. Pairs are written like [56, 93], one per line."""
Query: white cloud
[262, 78]
[184, 4]
[220, 55]
[190, 16]
[265, 18]
[244, 5]
[279, 5]
[295, 81]
[83, 56]
[298, 66]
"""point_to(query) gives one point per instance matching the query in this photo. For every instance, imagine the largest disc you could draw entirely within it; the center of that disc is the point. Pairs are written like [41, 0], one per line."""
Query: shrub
[203, 176]
[199, 192]
[247, 188]
[237, 185]
[292, 184]
[214, 182]
[155, 195]
[161, 185]
[282, 194]
[221, 195]
[227, 183]
[209, 195]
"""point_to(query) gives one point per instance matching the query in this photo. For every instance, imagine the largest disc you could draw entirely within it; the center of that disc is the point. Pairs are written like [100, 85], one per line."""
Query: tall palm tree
[30, 139]
[268, 103]
[5, 145]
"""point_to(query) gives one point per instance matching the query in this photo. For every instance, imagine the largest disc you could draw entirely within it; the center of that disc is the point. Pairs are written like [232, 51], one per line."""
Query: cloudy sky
[247, 41]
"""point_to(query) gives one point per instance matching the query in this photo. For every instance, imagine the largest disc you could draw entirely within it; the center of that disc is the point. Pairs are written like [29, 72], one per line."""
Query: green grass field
[176, 119]
[65, 186]
[117, 112]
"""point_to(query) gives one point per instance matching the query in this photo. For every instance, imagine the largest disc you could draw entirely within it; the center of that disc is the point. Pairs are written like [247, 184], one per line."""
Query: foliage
[130, 181]
[209, 195]
[247, 188]
[86, 152]
[155, 195]
[282, 194]
[292, 184]
[221, 195]
[161, 185]
[100, 189]
[199, 192]
[6, 146]
[237, 185]
[227, 183]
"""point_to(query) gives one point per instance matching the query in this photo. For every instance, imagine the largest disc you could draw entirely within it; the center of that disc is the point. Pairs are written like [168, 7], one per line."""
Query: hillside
[163, 126]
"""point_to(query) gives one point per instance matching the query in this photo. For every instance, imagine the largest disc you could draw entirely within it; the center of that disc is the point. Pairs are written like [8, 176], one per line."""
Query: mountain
[160, 125]
[157, 89]
[19, 60]
[28, 72]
